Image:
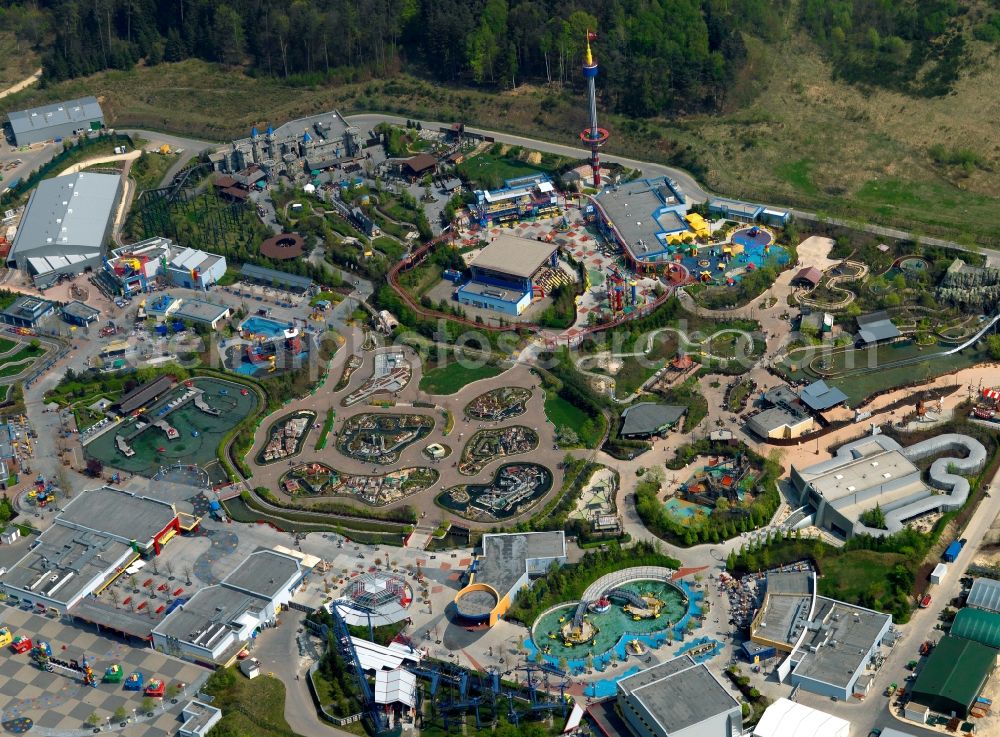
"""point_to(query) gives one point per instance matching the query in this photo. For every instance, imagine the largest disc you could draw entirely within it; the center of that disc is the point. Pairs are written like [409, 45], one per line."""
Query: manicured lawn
[453, 377]
[6, 345]
[327, 427]
[18, 362]
[566, 415]
[489, 170]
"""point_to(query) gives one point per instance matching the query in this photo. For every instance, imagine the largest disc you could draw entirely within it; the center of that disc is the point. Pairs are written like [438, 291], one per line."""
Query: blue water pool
[264, 326]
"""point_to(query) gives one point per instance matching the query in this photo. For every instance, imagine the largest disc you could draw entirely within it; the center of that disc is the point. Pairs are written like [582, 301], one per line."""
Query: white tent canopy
[395, 686]
[785, 718]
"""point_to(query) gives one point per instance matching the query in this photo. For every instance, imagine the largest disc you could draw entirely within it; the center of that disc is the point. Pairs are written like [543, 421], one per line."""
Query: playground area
[747, 249]
[490, 445]
[711, 478]
[265, 354]
[319, 479]
[380, 438]
[513, 490]
[498, 405]
[626, 622]
[184, 426]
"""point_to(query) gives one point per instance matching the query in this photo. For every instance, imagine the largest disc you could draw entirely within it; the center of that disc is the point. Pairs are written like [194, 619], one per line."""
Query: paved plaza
[57, 703]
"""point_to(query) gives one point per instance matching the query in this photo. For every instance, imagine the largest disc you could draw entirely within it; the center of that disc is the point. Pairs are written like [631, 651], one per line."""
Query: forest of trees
[656, 55]
[915, 46]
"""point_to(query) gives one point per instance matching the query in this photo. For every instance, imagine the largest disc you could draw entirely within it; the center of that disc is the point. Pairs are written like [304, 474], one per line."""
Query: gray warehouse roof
[251, 271]
[67, 215]
[648, 417]
[820, 396]
[80, 310]
[120, 514]
[679, 693]
[838, 640]
[198, 310]
[264, 573]
[876, 326]
[33, 119]
[505, 556]
[985, 594]
[512, 255]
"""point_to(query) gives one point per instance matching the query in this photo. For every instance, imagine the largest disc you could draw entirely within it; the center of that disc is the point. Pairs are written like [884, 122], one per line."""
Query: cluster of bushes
[339, 689]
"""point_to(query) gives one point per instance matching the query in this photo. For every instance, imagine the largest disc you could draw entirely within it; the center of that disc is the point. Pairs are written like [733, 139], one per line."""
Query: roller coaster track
[833, 284]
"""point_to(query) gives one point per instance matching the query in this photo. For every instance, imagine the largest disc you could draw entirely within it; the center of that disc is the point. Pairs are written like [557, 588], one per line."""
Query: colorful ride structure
[623, 293]
[134, 681]
[113, 674]
[41, 653]
[155, 688]
[593, 137]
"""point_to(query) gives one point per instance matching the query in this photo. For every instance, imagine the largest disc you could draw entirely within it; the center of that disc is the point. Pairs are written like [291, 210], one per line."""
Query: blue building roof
[819, 396]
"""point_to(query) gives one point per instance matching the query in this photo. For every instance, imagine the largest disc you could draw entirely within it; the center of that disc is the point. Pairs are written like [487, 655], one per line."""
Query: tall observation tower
[592, 136]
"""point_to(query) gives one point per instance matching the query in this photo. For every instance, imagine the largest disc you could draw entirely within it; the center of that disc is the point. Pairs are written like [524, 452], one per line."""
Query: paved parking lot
[56, 702]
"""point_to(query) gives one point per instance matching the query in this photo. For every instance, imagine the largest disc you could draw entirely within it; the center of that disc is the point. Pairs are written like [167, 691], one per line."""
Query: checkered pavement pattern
[58, 703]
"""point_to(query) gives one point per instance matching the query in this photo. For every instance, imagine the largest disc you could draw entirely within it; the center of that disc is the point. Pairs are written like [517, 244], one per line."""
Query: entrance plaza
[58, 703]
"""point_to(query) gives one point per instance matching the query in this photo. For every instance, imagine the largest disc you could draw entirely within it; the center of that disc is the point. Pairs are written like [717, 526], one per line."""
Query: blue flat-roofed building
[489, 297]
[502, 274]
[27, 312]
[745, 212]
[643, 217]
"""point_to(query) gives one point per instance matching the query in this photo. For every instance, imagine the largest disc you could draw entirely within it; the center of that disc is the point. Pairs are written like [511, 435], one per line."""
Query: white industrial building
[65, 226]
[679, 698]
[214, 624]
[786, 718]
[829, 644]
[876, 470]
[157, 262]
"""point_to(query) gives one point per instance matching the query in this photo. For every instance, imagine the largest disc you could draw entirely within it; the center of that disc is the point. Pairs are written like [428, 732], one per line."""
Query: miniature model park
[446, 431]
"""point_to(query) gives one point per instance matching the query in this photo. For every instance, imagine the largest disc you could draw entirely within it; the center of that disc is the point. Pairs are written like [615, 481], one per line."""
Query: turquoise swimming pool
[264, 326]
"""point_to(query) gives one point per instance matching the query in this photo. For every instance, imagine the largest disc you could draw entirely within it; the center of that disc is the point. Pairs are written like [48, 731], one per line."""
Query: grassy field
[18, 62]
[149, 169]
[563, 414]
[857, 572]
[789, 133]
[254, 707]
[633, 374]
[453, 377]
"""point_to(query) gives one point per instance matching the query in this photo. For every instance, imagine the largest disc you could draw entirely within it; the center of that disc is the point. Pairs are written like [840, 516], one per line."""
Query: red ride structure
[593, 137]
